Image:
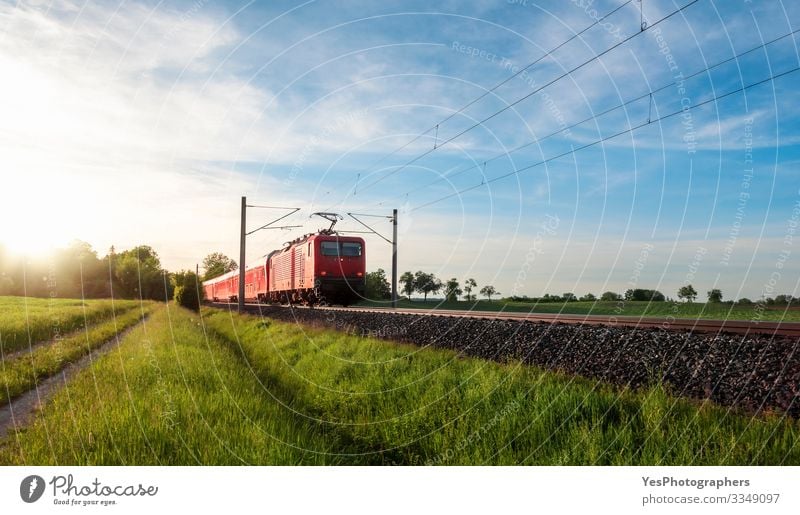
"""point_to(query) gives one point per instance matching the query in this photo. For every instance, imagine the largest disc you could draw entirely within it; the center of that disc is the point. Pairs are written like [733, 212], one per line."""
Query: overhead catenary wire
[601, 140]
[561, 130]
[499, 84]
[525, 97]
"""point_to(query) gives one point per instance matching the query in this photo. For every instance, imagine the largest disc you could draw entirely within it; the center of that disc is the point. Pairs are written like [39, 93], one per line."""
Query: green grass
[25, 320]
[170, 396]
[695, 310]
[430, 406]
[229, 389]
[20, 374]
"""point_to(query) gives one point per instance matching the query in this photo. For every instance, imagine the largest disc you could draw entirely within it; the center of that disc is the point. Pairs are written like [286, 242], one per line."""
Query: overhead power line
[601, 140]
[493, 88]
[525, 97]
[484, 162]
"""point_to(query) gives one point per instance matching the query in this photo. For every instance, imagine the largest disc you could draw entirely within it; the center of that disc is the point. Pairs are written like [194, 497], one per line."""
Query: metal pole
[394, 259]
[240, 297]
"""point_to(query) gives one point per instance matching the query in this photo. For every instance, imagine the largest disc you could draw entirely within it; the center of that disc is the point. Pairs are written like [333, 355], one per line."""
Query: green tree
[452, 290]
[407, 282]
[715, 295]
[687, 292]
[426, 283]
[610, 296]
[188, 292]
[488, 291]
[469, 285]
[79, 272]
[569, 297]
[589, 297]
[138, 274]
[216, 264]
[641, 294]
[377, 286]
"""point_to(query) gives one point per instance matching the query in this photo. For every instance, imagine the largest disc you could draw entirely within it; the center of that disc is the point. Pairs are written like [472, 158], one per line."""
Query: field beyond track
[693, 310]
[223, 389]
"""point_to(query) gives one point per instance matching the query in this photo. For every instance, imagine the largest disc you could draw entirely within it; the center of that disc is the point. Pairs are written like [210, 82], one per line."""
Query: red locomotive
[321, 267]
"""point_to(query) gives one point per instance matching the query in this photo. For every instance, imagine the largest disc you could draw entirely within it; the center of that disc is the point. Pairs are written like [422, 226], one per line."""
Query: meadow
[169, 395]
[693, 310]
[27, 321]
[220, 388]
[23, 370]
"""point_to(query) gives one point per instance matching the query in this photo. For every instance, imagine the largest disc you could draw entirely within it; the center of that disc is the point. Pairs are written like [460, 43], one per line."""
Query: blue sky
[145, 122]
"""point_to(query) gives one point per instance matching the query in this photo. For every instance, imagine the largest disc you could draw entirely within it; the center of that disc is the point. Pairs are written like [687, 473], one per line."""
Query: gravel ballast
[754, 372]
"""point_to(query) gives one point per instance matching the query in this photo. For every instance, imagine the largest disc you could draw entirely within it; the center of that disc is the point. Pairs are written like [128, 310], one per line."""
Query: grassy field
[714, 311]
[34, 320]
[21, 373]
[168, 395]
[230, 389]
[428, 406]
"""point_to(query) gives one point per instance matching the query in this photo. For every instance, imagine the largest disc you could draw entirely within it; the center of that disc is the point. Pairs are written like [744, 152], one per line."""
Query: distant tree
[188, 292]
[138, 274]
[488, 291]
[569, 297]
[407, 283]
[6, 274]
[79, 272]
[744, 301]
[469, 285]
[216, 264]
[715, 295]
[589, 297]
[377, 286]
[687, 292]
[426, 283]
[452, 290]
[769, 301]
[640, 294]
[784, 300]
[610, 296]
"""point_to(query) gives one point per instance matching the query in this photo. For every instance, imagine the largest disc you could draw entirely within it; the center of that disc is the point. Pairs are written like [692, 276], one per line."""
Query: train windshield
[351, 249]
[333, 248]
[329, 248]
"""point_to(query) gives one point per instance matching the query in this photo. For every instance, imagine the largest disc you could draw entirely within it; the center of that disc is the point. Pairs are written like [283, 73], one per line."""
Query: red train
[321, 267]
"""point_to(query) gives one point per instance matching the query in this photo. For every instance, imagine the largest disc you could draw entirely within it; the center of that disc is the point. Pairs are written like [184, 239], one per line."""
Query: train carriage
[317, 268]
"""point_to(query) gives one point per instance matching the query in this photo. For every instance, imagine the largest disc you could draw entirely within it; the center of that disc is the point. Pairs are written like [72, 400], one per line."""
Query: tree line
[379, 288]
[77, 271]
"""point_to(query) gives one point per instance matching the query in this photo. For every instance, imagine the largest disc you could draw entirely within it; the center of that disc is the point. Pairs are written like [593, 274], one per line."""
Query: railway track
[748, 365]
[783, 329]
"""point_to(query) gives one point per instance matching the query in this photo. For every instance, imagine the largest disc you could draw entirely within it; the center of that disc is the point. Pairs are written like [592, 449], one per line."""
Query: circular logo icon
[31, 488]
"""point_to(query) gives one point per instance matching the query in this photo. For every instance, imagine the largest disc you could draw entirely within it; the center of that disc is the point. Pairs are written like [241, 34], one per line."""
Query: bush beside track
[757, 373]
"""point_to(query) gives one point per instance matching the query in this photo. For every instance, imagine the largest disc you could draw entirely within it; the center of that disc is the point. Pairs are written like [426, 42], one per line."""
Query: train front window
[329, 248]
[351, 249]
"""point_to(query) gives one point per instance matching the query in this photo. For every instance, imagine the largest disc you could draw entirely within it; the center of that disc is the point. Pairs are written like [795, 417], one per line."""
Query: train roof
[226, 275]
[312, 236]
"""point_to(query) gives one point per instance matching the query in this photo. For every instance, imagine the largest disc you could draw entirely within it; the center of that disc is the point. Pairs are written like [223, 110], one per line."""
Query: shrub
[186, 290]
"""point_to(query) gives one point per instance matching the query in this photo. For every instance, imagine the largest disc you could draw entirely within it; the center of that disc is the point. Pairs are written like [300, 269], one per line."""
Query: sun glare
[39, 217]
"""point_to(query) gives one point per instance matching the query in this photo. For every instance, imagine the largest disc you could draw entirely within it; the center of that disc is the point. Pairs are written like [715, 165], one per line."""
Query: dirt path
[31, 348]
[21, 411]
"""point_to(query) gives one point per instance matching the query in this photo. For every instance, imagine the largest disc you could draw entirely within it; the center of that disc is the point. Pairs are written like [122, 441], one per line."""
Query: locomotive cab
[339, 268]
